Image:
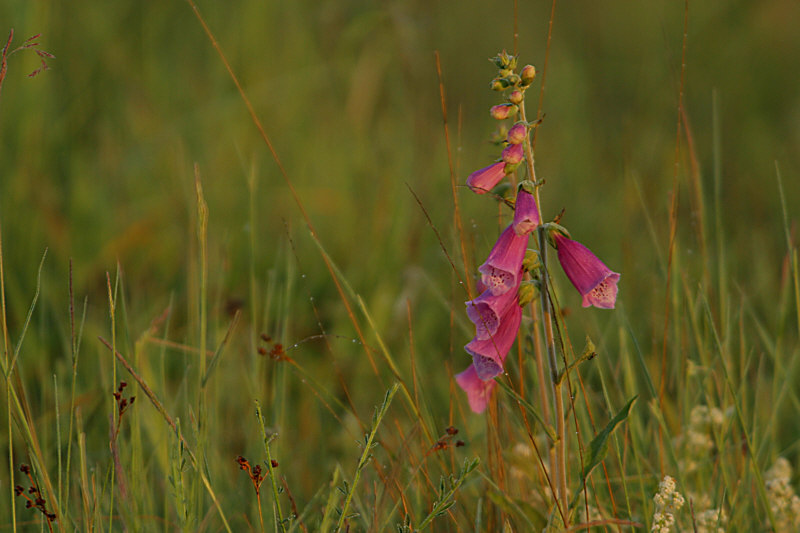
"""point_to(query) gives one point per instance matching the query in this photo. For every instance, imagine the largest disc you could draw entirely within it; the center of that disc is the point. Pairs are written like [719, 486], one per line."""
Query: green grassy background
[96, 166]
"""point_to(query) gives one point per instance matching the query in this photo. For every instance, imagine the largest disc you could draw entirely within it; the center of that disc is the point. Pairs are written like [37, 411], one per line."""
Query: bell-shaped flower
[502, 269]
[526, 213]
[483, 180]
[593, 279]
[488, 355]
[478, 391]
[486, 310]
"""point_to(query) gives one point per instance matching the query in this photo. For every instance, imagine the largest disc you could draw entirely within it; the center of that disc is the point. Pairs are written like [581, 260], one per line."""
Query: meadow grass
[235, 246]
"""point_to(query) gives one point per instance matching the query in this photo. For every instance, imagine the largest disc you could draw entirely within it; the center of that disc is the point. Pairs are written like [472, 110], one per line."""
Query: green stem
[365, 455]
[560, 472]
[267, 439]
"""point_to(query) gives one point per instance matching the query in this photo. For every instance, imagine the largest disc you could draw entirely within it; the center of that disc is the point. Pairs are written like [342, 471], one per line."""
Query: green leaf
[599, 445]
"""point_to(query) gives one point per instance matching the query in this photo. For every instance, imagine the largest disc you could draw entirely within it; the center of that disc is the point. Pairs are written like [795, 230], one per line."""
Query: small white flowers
[783, 502]
[668, 501]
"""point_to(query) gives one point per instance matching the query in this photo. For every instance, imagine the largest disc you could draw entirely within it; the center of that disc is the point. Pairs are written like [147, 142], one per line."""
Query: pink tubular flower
[526, 213]
[593, 279]
[513, 154]
[486, 310]
[502, 269]
[481, 181]
[478, 391]
[489, 354]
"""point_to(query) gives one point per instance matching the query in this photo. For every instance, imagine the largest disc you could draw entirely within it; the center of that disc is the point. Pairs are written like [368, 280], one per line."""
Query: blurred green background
[97, 152]
[97, 155]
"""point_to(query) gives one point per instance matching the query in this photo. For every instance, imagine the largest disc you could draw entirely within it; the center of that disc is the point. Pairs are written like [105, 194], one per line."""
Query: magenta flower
[593, 279]
[526, 213]
[517, 133]
[489, 354]
[513, 154]
[486, 310]
[502, 269]
[478, 391]
[481, 181]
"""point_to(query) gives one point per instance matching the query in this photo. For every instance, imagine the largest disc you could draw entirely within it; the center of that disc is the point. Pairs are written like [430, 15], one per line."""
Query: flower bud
[516, 97]
[531, 261]
[528, 292]
[499, 84]
[528, 74]
[513, 154]
[517, 133]
[503, 111]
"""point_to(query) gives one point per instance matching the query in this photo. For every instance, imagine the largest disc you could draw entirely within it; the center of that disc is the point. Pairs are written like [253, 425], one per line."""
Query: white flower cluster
[783, 502]
[698, 439]
[711, 521]
[668, 501]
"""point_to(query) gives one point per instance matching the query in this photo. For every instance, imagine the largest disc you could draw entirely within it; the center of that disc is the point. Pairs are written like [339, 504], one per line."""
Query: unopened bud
[503, 111]
[528, 292]
[528, 74]
[499, 84]
[531, 262]
[516, 97]
[513, 154]
[517, 133]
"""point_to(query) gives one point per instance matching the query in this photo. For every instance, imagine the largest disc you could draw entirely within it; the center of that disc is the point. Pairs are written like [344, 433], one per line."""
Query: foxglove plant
[508, 281]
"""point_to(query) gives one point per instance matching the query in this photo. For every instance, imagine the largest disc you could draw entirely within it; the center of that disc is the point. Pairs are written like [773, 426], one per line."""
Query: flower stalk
[513, 276]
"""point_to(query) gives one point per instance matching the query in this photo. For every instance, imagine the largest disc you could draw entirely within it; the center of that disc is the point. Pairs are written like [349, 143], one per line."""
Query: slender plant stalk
[160, 408]
[6, 355]
[276, 502]
[365, 455]
[556, 382]
[557, 463]
[114, 419]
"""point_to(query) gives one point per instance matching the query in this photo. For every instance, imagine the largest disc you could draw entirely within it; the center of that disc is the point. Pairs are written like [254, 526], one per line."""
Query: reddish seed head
[459, 443]
[262, 351]
[274, 463]
[451, 430]
[25, 469]
[265, 337]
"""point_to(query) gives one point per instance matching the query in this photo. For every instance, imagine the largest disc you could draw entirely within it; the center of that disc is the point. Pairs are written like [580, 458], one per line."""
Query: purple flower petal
[502, 269]
[478, 391]
[483, 180]
[486, 310]
[526, 213]
[593, 279]
[489, 354]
